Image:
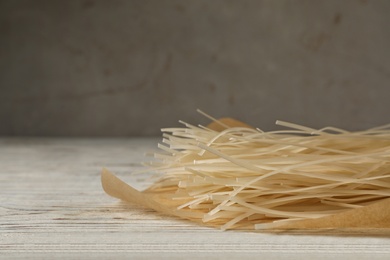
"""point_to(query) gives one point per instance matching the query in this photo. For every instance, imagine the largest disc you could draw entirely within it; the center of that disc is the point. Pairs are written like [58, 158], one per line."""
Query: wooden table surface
[52, 205]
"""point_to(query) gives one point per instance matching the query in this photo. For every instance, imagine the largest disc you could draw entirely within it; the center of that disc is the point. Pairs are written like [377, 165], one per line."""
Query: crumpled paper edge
[373, 219]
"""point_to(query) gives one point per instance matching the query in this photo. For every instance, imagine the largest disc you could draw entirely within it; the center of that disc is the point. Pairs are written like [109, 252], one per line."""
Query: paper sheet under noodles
[373, 219]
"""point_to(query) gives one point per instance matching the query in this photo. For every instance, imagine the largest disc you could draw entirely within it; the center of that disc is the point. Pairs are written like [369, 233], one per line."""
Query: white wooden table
[52, 205]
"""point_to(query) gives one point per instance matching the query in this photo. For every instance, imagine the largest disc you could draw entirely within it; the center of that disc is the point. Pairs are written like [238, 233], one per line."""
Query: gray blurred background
[125, 68]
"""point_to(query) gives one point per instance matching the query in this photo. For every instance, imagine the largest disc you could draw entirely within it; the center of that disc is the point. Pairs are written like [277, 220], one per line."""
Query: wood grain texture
[52, 205]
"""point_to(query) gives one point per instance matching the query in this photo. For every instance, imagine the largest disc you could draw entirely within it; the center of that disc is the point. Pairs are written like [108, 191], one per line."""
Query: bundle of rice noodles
[233, 176]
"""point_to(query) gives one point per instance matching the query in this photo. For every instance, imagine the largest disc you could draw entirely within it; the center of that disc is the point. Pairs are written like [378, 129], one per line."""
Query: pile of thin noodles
[243, 175]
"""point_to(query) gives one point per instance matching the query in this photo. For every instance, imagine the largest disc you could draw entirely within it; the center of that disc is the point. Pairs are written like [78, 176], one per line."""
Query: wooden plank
[52, 205]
